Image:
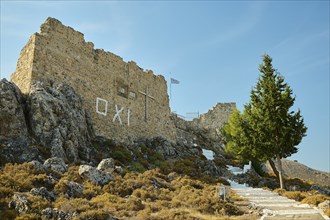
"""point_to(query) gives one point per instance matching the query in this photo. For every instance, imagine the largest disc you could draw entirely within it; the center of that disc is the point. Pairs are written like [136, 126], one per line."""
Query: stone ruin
[123, 100]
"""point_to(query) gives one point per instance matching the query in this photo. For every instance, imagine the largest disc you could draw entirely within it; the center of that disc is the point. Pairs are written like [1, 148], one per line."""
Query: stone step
[276, 207]
[291, 211]
[289, 204]
[272, 201]
[256, 194]
[270, 198]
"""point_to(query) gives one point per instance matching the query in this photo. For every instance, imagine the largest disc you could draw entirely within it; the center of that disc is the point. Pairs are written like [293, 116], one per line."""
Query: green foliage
[238, 135]
[122, 155]
[138, 167]
[267, 127]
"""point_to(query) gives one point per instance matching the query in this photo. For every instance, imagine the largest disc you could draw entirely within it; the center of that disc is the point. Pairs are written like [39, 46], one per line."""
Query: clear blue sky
[213, 48]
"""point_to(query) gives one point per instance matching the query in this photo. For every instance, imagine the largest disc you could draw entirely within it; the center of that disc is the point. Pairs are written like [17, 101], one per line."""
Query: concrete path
[275, 206]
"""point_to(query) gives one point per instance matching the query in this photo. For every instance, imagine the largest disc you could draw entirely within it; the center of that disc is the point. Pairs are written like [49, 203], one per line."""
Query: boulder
[37, 165]
[95, 175]
[19, 203]
[119, 170]
[106, 164]
[55, 213]
[56, 164]
[44, 193]
[73, 189]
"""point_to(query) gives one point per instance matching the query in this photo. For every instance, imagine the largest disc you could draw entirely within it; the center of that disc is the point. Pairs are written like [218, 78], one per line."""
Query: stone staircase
[275, 206]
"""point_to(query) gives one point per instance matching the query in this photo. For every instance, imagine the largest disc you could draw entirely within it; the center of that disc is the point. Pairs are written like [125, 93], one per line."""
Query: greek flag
[174, 81]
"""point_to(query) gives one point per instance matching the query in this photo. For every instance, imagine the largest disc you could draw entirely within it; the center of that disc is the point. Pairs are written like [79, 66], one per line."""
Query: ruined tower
[124, 100]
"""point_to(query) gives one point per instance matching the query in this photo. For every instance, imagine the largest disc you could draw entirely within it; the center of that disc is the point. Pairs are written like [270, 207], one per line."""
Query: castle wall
[216, 117]
[123, 100]
[24, 66]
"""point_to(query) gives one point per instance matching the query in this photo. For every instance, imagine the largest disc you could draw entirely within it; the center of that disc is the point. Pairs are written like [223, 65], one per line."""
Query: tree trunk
[271, 162]
[279, 165]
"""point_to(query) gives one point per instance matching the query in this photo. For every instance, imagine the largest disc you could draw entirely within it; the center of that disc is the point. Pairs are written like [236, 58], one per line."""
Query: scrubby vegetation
[309, 197]
[152, 194]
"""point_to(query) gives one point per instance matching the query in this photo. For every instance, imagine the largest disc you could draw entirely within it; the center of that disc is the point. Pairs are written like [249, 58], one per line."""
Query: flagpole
[171, 90]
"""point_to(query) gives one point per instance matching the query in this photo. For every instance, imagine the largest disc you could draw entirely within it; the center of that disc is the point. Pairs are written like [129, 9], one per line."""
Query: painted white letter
[104, 112]
[117, 115]
[128, 116]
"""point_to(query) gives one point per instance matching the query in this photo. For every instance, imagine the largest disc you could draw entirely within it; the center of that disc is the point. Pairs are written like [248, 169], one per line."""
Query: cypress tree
[269, 129]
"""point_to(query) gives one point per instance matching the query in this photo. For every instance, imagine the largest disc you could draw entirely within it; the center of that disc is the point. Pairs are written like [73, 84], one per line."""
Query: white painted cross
[147, 95]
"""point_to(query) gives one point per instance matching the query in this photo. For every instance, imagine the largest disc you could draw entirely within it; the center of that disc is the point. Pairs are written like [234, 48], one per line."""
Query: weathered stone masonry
[123, 99]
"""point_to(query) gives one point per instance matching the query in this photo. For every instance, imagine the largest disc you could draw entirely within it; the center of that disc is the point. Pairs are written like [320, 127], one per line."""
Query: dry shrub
[72, 205]
[91, 190]
[37, 203]
[30, 216]
[148, 195]
[296, 195]
[279, 191]
[327, 212]
[94, 214]
[21, 178]
[315, 199]
[72, 175]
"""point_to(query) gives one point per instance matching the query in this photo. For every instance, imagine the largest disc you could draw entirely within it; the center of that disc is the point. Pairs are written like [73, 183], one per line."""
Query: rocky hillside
[293, 169]
[58, 174]
[62, 173]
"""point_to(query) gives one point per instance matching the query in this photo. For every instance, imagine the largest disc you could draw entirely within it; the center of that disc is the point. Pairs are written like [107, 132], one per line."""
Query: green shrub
[302, 186]
[138, 167]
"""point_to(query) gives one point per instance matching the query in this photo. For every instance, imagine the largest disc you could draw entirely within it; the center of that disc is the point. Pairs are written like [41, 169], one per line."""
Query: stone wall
[215, 118]
[124, 100]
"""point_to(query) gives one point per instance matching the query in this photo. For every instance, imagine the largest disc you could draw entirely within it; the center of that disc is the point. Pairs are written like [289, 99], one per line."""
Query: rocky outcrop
[168, 149]
[15, 143]
[58, 121]
[12, 119]
[95, 175]
[215, 118]
[48, 122]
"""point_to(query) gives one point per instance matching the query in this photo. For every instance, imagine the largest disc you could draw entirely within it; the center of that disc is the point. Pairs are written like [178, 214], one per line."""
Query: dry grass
[147, 195]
